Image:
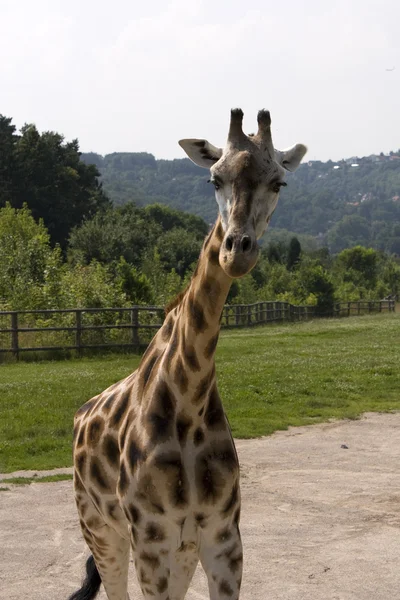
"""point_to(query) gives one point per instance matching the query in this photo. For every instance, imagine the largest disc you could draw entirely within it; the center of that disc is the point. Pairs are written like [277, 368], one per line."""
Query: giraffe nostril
[229, 243]
[245, 243]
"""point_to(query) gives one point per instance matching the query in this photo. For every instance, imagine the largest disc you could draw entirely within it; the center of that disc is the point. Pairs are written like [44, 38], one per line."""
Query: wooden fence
[132, 328]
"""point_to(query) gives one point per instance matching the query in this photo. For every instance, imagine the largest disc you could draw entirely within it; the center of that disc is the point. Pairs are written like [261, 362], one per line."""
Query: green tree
[294, 252]
[8, 165]
[165, 286]
[178, 249]
[46, 173]
[360, 265]
[57, 186]
[318, 282]
[27, 262]
[169, 218]
[123, 231]
[90, 286]
[135, 285]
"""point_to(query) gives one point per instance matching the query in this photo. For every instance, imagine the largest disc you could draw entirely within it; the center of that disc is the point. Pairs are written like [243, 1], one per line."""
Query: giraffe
[155, 465]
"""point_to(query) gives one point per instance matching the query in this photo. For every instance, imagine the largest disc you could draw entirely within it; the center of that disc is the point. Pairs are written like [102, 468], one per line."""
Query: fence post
[249, 314]
[14, 334]
[237, 315]
[78, 336]
[135, 327]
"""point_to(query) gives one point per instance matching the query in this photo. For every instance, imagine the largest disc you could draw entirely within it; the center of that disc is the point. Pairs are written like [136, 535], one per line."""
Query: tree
[294, 252]
[178, 249]
[8, 165]
[46, 173]
[123, 231]
[350, 231]
[27, 261]
[56, 185]
[170, 218]
[135, 285]
[359, 264]
[318, 283]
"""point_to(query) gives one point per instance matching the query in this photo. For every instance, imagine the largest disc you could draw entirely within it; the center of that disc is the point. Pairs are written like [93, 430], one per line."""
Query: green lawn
[269, 378]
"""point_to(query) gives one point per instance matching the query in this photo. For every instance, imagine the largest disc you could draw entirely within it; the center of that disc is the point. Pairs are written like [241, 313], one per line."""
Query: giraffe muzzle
[239, 253]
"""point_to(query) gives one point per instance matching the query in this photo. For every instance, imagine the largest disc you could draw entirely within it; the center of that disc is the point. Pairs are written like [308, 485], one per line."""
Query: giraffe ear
[291, 158]
[201, 152]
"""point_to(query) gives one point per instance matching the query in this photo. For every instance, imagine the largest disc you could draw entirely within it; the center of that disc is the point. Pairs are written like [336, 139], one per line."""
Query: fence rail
[132, 328]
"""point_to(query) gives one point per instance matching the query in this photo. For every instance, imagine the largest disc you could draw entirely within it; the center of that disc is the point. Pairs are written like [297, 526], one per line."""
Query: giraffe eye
[216, 183]
[277, 186]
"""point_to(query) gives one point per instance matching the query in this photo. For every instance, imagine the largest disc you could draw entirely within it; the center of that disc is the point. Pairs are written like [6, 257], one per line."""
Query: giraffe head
[247, 175]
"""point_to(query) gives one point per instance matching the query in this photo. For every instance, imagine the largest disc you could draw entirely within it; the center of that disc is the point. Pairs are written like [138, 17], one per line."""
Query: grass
[28, 480]
[269, 378]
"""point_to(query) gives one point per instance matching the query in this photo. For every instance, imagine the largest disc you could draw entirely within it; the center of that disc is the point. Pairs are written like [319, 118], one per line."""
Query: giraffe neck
[198, 316]
[191, 329]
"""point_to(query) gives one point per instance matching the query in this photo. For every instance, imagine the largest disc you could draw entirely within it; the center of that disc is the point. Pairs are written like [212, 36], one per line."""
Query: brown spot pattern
[81, 437]
[171, 465]
[213, 256]
[181, 377]
[201, 389]
[154, 533]
[211, 346]
[214, 416]
[152, 560]
[123, 479]
[167, 329]
[94, 430]
[162, 585]
[196, 315]
[160, 419]
[198, 437]
[232, 501]
[98, 475]
[111, 450]
[134, 455]
[120, 410]
[148, 495]
[85, 408]
[225, 588]
[148, 367]
[183, 424]
[210, 483]
[189, 356]
[223, 535]
[80, 461]
[108, 404]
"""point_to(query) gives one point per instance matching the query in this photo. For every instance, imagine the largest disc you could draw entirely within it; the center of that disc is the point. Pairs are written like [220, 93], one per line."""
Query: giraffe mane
[177, 300]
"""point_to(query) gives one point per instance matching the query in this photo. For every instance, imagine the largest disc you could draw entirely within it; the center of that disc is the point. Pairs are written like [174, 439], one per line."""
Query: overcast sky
[137, 76]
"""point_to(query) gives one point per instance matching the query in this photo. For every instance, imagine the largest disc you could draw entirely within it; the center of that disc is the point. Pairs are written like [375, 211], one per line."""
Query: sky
[129, 76]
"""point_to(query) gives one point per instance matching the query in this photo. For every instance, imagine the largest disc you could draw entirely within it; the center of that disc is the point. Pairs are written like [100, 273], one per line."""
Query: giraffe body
[156, 468]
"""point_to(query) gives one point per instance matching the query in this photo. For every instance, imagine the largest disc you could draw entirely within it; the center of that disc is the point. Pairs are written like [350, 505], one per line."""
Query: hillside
[354, 201]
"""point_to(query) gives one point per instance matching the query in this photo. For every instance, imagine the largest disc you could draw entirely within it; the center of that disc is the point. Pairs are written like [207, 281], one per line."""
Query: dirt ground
[321, 520]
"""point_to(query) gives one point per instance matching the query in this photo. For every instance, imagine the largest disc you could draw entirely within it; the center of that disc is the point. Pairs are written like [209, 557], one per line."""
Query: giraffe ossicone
[155, 466]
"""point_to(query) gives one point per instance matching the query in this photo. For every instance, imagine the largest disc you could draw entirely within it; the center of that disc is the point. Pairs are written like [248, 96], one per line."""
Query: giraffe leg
[222, 560]
[110, 550]
[183, 565]
[164, 574]
[111, 554]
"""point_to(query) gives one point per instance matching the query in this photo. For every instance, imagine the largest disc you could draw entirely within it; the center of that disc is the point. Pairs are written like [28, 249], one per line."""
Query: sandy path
[319, 521]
